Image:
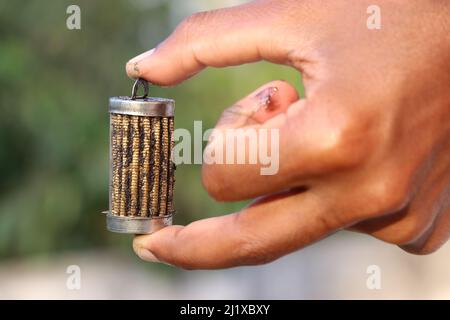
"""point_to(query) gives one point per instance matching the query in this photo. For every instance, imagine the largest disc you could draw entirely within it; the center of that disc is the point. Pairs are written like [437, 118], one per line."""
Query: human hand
[367, 148]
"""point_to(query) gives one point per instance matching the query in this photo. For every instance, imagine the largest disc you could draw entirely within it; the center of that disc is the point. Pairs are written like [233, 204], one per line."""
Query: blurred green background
[54, 90]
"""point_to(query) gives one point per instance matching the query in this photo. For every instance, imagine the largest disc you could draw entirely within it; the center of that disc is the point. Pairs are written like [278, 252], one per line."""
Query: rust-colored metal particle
[142, 171]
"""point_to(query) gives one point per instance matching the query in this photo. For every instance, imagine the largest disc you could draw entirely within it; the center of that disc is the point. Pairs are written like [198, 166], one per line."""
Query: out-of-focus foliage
[54, 88]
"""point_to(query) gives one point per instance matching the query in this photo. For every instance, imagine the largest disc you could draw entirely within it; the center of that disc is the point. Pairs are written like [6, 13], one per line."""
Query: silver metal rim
[146, 107]
[136, 225]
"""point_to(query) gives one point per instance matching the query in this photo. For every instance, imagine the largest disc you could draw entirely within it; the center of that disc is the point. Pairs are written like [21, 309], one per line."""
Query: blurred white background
[332, 269]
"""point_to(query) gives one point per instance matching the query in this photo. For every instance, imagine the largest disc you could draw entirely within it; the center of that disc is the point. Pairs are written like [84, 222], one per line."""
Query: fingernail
[264, 97]
[140, 247]
[132, 65]
[146, 255]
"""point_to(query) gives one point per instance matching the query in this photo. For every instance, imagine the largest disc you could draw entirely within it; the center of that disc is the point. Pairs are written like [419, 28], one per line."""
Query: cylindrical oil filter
[141, 167]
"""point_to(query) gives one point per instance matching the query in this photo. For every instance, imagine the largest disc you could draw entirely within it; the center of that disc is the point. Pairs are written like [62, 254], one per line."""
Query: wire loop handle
[135, 89]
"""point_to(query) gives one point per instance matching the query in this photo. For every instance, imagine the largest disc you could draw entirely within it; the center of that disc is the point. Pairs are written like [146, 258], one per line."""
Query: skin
[367, 149]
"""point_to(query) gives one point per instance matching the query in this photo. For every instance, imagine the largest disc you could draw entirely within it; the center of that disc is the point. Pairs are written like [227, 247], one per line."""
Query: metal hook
[135, 89]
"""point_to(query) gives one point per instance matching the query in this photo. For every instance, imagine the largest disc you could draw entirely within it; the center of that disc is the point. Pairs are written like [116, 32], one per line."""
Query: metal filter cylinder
[141, 167]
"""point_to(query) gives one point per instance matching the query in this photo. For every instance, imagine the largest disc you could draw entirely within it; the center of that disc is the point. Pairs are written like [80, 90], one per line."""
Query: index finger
[219, 38]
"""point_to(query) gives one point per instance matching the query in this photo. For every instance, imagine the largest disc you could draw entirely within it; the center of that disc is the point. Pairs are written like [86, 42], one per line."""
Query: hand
[367, 148]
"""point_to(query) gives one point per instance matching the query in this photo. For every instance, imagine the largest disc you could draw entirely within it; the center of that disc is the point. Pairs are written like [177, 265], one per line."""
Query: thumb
[219, 38]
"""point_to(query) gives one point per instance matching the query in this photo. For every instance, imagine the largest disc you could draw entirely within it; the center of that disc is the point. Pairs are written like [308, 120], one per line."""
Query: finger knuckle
[381, 196]
[195, 20]
[390, 192]
[190, 28]
[348, 142]
[251, 251]
[250, 247]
